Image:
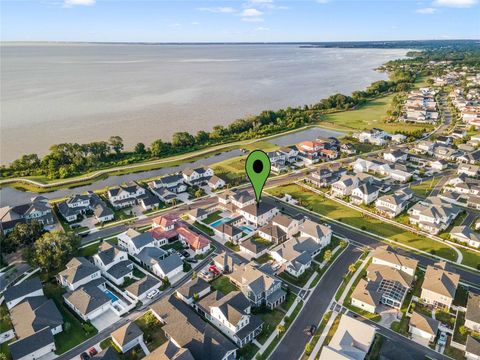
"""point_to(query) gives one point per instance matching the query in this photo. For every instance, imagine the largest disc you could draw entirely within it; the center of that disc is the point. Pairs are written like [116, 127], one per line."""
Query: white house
[125, 195]
[160, 263]
[127, 337]
[90, 300]
[287, 224]
[393, 204]
[468, 169]
[433, 214]
[344, 186]
[195, 288]
[114, 263]
[258, 215]
[79, 272]
[423, 327]
[215, 182]
[35, 346]
[140, 289]
[395, 156]
[197, 176]
[439, 286]
[15, 294]
[364, 193]
[465, 234]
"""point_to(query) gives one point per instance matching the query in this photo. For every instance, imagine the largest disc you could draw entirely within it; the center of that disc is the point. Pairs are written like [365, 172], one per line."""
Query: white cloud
[455, 3]
[221, 10]
[70, 3]
[426, 11]
[251, 12]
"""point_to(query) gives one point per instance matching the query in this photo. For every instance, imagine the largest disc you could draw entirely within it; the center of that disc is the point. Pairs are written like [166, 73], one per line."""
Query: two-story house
[125, 195]
[113, 263]
[344, 186]
[197, 176]
[258, 214]
[79, 272]
[439, 286]
[393, 204]
[433, 214]
[472, 315]
[364, 193]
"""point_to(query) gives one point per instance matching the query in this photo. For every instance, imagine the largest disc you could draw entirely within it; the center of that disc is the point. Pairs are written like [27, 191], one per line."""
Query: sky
[238, 21]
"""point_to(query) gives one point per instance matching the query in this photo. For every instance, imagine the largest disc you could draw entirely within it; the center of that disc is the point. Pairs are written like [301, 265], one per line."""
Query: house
[395, 156]
[198, 214]
[200, 338]
[472, 315]
[352, 340]
[127, 337]
[160, 263]
[398, 138]
[225, 262]
[253, 248]
[423, 326]
[133, 241]
[34, 346]
[108, 353]
[469, 158]
[169, 351]
[365, 193]
[81, 204]
[233, 200]
[365, 297]
[231, 314]
[392, 205]
[193, 290]
[424, 147]
[229, 230]
[445, 153]
[438, 165]
[141, 288]
[473, 202]
[472, 349]
[258, 214]
[258, 287]
[344, 186]
[439, 286]
[444, 140]
[308, 151]
[296, 255]
[289, 225]
[272, 233]
[197, 176]
[373, 136]
[386, 256]
[198, 243]
[433, 214]
[79, 272]
[215, 182]
[148, 202]
[165, 195]
[319, 233]
[90, 300]
[125, 195]
[348, 148]
[172, 183]
[38, 209]
[290, 153]
[113, 263]
[325, 177]
[465, 234]
[469, 170]
[29, 288]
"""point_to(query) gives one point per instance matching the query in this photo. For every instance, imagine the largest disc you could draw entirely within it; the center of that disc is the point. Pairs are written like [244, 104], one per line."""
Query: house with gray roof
[125, 195]
[472, 348]
[258, 214]
[80, 204]
[472, 315]
[439, 286]
[344, 186]
[170, 351]
[15, 294]
[159, 262]
[253, 248]
[393, 204]
[79, 272]
[133, 241]
[423, 326]
[466, 235]
[141, 288]
[194, 288]
[127, 337]
[34, 346]
[90, 300]
[106, 354]
[113, 263]
[364, 193]
[433, 214]
[272, 233]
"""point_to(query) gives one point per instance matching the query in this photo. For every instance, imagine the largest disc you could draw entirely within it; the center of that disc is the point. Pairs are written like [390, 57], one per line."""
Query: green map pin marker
[257, 168]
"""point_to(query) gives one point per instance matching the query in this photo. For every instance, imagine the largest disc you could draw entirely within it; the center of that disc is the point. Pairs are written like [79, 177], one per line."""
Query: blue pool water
[220, 221]
[246, 229]
[111, 295]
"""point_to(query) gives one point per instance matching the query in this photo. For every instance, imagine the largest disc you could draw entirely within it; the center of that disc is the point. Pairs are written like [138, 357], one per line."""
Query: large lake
[52, 93]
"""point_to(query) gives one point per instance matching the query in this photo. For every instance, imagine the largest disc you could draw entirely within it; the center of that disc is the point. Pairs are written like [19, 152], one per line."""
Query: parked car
[92, 351]
[312, 330]
[84, 356]
[442, 339]
[152, 293]
[192, 260]
[186, 254]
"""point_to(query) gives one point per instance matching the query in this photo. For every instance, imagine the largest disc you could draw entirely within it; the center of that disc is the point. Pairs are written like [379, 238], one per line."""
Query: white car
[152, 294]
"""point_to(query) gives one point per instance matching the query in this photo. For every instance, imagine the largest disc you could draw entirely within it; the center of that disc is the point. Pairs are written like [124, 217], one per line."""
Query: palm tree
[352, 268]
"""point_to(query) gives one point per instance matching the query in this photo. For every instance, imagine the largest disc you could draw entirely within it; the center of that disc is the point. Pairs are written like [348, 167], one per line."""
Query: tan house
[439, 286]
[472, 316]
[423, 327]
[384, 255]
[472, 351]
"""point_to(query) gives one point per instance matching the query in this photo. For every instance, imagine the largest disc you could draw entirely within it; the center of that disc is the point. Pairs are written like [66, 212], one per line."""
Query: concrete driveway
[105, 320]
[388, 316]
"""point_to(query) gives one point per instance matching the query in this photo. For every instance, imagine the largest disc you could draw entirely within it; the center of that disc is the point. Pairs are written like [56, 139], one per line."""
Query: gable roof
[248, 275]
[31, 343]
[107, 252]
[195, 286]
[473, 308]
[386, 253]
[170, 351]
[23, 289]
[87, 298]
[424, 323]
[126, 333]
[315, 230]
[142, 286]
[441, 281]
[77, 269]
[473, 345]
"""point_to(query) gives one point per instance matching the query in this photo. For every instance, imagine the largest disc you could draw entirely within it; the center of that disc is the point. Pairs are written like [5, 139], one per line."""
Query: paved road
[467, 276]
[294, 341]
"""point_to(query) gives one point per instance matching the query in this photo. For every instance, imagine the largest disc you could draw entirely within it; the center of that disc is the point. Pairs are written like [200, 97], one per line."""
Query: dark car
[186, 254]
[312, 330]
[191, 260]
[84, 356]
[92, 351]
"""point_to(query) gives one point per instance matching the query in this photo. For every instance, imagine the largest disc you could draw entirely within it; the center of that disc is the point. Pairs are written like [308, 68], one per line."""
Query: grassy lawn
[288, 301]
[425, 187]
[177, 245]
[302, 279]
[5, 323]
[73, 333]
[231, 169]
[354, 218]
[89, 250]
[332, 330]
[333, 244]
[318, 333]
[457, 336]
[153, 334]
[369, 115]
[263, 259]
[401, 326]
[223, 285]
[348, 276]
[203, 228]
[4, 349]
[271, 318]
[138, 273]
[247, 352]
[232, 246]
[212, 217]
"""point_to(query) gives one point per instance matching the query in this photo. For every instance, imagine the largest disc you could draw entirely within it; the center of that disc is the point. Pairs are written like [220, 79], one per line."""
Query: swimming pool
[246, 229]
[220, 221]
[111, 296]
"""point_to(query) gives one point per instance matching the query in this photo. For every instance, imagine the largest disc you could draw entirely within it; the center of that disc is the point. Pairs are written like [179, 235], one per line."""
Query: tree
[183, 139]
[280, 328]
[52, 250]
[196, 297]
[116, 143]
[194, 275]
[159, 148]
[462, 330]
[202, 137]
[343, 243]
[140, 148]
[150, 319]
[199, 193]
[327, 256]
[351, 268]
[308, 348]
[22, 235]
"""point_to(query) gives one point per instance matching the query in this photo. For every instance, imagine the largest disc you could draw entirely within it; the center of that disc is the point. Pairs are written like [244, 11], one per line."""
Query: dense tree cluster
[22, 235]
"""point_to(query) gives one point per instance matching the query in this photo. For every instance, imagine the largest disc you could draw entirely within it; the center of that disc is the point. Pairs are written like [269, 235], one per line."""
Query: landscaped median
[349, 216]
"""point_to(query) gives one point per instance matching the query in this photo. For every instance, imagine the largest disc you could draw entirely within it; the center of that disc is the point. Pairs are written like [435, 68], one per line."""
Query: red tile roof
[195, 241]
[164, 221]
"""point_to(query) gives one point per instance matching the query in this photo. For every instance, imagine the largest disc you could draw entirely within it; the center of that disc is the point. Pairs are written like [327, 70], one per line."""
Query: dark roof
[228, 229]
[142, 286]
[473, 308]
[253, 246]
[102, 210]
[22, 289]
[193, 287]
[107, 252]
[107, 354]
[120, 269]
[30, 344]
[142, 239]
[77, 269]
[87, 298]
[258, 209]
[473, 345]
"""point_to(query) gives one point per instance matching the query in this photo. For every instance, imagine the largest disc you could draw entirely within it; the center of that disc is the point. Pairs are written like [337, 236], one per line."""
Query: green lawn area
[348, 276]
[73, 333]
[247, 352]
[153, 334]
[5, 323]
[203, 228]
[401, 326]
[177, 245]
[425, 187]
[318, 333]
[457, 336]
[138, 273]
[302, 279]
[4, 349]
[354, 218]
[231, 169]
[263, 259]
[89, 250]
[262, 145]
[212, 217]
[223, 285]
[288, 301]
[271, 318]
[367, 116]
[232, 246]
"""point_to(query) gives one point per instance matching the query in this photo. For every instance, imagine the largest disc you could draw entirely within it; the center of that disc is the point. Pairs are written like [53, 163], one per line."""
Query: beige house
[472, 351]
[423, 327]
[472, 316]
[439, 286]
[384, 255]
[365, 297]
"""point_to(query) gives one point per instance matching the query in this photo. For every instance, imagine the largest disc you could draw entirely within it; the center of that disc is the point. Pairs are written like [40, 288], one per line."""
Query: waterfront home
[215, 182]
[466, 235]
[344, 186]
[35, 346]
[113, 263]
[79, 272]
[395, 156]
[393, 204]
[472, 315]
[373, 136]
[258, 287]
[308, 151]
[125, 195]
[364, 193]
[38, 209]
[352, 340]
[193, 290]
[77, 205]
[423, 327]
[198, 176]
[127, 337]
[29, 288]
[159, 262]
[439, 286]
[200, 338]
[231, 314]
[90, 300]
[433, 214]
[140, 289]
[258, 214]
[468, 169]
